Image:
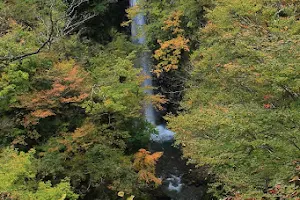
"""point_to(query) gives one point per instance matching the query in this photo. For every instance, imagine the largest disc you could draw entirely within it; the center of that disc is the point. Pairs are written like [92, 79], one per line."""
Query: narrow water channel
[171, 168]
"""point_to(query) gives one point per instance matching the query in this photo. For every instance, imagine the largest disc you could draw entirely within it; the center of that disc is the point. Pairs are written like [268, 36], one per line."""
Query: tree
[18, 179]
[240, 110]
[144, 163]
[170, 52]
[77, 102]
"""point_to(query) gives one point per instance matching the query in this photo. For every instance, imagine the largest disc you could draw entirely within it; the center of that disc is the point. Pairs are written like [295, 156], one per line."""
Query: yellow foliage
[130, 198]
[81, 139]
[121, 194]
[210, 28]
[131, 13]
[170, 51]
[173, 22]
[144, 163]
[83, 131]
[42, 113]
[157, 100]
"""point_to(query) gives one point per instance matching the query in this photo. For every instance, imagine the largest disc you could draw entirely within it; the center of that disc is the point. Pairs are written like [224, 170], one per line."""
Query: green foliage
[170, 43]
[139, 131]
[246, 146]
[26, 26]
[241, 107]
[17, 176]
[12, 82]
[159, 11]
[77, 102]
[117, 88]
[90, 154]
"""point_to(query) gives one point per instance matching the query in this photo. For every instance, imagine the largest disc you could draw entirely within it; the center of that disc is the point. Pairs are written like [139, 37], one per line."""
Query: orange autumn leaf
[170, 51]
[42, 113]
[83, 131]
[144, 163]
[157, 101]
[69, 85]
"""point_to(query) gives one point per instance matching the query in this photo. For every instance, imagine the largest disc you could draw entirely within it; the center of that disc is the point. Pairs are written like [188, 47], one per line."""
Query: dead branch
[72, 25]
[289, 91]
[75, 20]
[74, 5]
[48, 41]
[294, 144]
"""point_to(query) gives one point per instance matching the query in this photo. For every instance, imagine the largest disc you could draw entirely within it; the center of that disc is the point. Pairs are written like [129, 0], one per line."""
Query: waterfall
[139, 37]
[172, 181]
[170, 168]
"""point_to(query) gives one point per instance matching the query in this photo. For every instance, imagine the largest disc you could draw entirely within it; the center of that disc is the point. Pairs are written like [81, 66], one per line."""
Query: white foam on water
[174, 183]
[164, 135]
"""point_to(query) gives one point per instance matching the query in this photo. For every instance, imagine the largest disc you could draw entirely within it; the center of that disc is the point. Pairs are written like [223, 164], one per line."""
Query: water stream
[179, 182]
[139, 37]
[172, 178]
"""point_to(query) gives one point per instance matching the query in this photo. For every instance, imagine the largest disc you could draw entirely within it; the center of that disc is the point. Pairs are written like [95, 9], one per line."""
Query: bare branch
[289, 91]
[48, 41]
[71, 26]
[294, 144]
[75, 4]
[75, 20]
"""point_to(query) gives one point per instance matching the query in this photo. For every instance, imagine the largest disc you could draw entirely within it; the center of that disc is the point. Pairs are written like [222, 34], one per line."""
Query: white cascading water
[139, 37]
[164, 135]
[174, 183]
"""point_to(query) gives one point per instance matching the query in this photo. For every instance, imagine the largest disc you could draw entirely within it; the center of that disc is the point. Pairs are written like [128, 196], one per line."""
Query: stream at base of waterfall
[179, 181]
[173, 181]
[170, 168]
